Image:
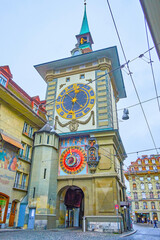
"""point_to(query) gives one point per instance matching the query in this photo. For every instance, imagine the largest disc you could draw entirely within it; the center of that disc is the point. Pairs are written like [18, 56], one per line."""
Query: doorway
[71, 207]
[13, 213]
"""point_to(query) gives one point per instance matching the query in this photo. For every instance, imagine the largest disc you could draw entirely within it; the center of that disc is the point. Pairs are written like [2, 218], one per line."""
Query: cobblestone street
[143, 232]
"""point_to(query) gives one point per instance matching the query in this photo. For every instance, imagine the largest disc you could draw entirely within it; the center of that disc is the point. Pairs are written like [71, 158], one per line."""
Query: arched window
[149, 178]
[143, 195]
[147, 168]
[134, 186]
[142, 186]
[140, 168]
[150, 187]
[153, 161]
[145, 205]
[146, 161]
[135, 195]
[158, 194]
[139, 161]
[151, 195]
[136, 205]
[153, 206]
[157, 185]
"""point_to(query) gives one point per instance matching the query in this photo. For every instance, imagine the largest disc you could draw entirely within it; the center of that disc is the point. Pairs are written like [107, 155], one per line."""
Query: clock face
[75, 101]
[73, 160]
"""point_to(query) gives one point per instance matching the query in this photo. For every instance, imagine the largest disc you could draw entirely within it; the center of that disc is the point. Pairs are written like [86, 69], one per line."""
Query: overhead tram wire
[150, 62]
[130, 74]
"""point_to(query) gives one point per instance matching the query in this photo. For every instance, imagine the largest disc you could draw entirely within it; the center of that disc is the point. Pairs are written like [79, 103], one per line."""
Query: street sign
[116, 206]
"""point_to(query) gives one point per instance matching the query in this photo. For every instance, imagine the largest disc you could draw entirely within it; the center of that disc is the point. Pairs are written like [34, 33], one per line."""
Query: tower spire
[84, 38]
[85, 26]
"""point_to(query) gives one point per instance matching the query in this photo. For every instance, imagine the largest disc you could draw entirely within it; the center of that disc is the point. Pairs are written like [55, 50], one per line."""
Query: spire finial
[85, 2]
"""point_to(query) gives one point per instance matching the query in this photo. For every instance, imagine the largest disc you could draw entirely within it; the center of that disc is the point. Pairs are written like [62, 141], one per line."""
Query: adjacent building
[20, 116]
[144, 179]
[77, 164]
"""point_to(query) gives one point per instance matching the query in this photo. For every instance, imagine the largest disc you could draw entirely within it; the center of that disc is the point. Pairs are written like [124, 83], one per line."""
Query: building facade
[20, 116]
[144, 180]
[77, 164]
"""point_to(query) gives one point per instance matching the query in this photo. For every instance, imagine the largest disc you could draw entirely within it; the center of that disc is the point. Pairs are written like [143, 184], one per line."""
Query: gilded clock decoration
[73, 160]
[75, 101]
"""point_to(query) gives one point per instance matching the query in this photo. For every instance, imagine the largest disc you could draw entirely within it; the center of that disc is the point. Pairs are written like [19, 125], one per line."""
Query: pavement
[141, 232]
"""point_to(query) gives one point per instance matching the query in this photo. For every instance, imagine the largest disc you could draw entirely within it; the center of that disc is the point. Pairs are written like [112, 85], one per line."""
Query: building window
[30, 134]
[149, 178]
[146, 161]
[45, 171]
[153, 206]
[132, 169]
[154, 168]
[136, 205]
[40, 139]
[17, 179]
[69, 69]
[142, 186]
[157, 185]
[35, 108]
[156, 178]
[3, 80]
[147, 168]
[25, 128]
[82, 76]
[145, 205]
[141, 179]
[139, 161]
[24, 177]
[21, 151]
[82, 66]
[48, 139]
[27, 151]
[153, 161]
[135, 195]
[143, 195]
[34, 191]
[133, 179]
[140, 168]
[150, 187]
[134, 186]
[151, 195]
[67, 79]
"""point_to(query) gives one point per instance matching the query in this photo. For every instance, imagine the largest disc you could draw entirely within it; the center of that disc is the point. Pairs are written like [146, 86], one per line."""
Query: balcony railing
[20, 186]
[24, 158]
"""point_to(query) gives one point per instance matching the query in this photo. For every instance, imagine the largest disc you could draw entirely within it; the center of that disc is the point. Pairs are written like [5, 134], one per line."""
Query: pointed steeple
[84, 27]
[84, 39]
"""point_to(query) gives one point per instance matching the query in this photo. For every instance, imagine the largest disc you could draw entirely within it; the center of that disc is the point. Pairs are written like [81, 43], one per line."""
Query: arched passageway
[71, 207]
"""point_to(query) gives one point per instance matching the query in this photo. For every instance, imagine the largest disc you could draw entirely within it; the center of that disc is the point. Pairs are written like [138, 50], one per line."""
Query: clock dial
[73, 160]
[75, 101]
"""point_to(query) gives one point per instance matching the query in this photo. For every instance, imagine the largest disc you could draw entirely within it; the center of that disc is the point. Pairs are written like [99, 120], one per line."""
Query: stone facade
[144, 179]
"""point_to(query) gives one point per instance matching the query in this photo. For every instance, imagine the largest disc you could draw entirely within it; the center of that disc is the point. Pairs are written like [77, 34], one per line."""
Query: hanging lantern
[125, 114]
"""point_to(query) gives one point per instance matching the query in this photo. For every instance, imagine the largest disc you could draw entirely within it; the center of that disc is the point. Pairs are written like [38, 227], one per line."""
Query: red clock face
[73, 160]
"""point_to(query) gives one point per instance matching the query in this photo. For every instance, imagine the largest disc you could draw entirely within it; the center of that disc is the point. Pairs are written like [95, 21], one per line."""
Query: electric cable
[153, 76]
[130, 74]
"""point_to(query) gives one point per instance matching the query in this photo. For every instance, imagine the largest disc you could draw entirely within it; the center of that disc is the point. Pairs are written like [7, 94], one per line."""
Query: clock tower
[82, 93]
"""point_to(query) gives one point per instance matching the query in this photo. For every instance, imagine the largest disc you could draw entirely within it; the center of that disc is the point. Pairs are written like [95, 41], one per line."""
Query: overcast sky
[38, 31]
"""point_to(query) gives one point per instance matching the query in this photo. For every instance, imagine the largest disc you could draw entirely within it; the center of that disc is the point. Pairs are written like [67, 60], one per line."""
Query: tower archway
[70, 207]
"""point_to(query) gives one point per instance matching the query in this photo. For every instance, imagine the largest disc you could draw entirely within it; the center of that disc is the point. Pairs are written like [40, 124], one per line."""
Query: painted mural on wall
[8, 159]
[73, 156]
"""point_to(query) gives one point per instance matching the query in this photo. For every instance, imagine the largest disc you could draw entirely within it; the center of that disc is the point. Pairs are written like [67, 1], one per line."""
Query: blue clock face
[75, 101]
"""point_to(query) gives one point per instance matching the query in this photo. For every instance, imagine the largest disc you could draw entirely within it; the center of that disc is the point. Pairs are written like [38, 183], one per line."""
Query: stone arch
[61, 194]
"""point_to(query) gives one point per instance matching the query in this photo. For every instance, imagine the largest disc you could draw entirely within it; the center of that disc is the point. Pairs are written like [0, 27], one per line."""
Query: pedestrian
[151, 222]
[155, 223]
[148, 220]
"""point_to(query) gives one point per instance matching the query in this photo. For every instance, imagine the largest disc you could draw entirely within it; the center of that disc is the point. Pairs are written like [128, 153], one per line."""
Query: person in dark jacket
[155, 223]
